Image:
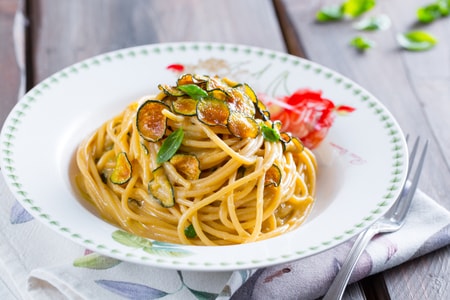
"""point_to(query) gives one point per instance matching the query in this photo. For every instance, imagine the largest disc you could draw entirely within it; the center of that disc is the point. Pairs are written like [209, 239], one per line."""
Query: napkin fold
[37, 263]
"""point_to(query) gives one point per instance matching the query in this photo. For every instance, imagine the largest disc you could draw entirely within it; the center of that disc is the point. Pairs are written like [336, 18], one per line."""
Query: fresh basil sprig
[170, 146]
[416, 40]
[193, 91]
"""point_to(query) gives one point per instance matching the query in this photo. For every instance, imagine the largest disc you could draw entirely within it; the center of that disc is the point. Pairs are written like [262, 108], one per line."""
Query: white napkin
[37, 263]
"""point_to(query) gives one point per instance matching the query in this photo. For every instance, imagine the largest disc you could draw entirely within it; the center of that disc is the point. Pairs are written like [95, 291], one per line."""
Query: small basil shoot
[433, 11]
[381, 22]
[189, 232]
[416, 40]
[193, 91]
[270, 134]
[170, 146]
[362, 43]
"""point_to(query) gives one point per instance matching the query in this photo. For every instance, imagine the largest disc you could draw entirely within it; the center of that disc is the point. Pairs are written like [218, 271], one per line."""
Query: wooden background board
[9, 72]
[413, 86]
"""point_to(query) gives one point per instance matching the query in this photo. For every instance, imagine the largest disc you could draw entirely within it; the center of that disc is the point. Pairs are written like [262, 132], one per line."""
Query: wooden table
[415, 87]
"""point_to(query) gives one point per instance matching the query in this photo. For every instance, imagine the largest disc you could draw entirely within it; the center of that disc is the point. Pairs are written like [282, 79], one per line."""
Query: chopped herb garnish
[362, 43]
[193, 91]
[170, 146]
[416, 40]
[381, 22]
[189, 232]
[270, 134]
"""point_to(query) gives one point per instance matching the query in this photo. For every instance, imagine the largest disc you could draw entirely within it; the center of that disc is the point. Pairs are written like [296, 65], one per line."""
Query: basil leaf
[270, 134]
[355, 8]
[381, 22]
[193, 91]
[362, 43]
[189, 232]
[416, 40]
[330, 13]
[170, 146]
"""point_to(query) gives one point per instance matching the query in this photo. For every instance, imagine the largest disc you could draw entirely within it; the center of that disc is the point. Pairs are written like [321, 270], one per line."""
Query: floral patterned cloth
[36, 263]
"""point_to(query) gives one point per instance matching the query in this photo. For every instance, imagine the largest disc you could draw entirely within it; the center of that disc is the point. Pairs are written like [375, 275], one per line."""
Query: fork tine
[401, 211]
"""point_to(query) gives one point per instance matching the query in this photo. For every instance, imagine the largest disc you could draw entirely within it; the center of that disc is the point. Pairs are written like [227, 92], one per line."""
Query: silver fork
[392, 221]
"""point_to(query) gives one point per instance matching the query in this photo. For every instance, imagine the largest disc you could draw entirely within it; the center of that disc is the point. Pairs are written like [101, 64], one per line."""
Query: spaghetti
[200, 163]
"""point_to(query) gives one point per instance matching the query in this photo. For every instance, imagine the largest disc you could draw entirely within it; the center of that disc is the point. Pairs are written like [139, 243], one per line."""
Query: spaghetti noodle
[232, 175]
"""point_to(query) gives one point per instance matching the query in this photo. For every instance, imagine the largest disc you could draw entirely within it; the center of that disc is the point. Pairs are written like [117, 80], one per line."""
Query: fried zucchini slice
[273, 176]
[242, 126]
[170, 90]
[185, 106]
[211, 111]
[151, 123]
[187, 165]
[161, 189]
[122, 170]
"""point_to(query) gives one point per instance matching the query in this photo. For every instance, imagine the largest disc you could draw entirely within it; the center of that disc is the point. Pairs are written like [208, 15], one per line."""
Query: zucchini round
[122, 170]
[161, 189]
[151, 123]
[211, 111]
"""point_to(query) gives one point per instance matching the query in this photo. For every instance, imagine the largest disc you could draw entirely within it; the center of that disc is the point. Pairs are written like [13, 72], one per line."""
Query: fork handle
[339, 284]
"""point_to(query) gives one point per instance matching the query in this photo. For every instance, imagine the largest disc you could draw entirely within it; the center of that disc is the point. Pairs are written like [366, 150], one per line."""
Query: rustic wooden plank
[9, 75]
[414, 87]
[65, 32]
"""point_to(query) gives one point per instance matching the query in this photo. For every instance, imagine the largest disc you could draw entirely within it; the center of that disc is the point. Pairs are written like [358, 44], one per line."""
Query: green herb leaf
[170, 146]
[330, 13]
[189, 232]
[416, 40]
[193, 91]
[381, 22]
[433, 11]
[355, 8]
[270, 134]
[362, 43]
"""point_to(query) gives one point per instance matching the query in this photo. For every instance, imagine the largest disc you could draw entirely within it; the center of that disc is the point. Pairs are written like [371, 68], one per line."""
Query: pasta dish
[200, 163]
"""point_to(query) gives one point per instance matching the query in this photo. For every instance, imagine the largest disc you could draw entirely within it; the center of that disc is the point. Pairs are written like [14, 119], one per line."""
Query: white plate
[355, 187]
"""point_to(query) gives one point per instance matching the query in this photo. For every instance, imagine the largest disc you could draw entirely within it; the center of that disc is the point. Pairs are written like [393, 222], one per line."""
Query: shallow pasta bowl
[362, 163]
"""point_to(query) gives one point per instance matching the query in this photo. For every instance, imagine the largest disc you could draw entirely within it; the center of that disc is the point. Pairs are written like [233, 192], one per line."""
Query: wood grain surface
[413, 86]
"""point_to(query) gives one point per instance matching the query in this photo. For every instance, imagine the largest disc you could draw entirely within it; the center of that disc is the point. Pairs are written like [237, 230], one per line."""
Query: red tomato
[306, 114]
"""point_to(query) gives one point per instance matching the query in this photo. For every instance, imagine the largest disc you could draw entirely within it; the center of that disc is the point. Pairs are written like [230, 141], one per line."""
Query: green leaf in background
[330, 13]
[416, 40]
[381, 22]
[433, 11]
[193, 91]
[348, 8]
[130, 240]
[355, 8]
[170, 146]
[362, 43]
